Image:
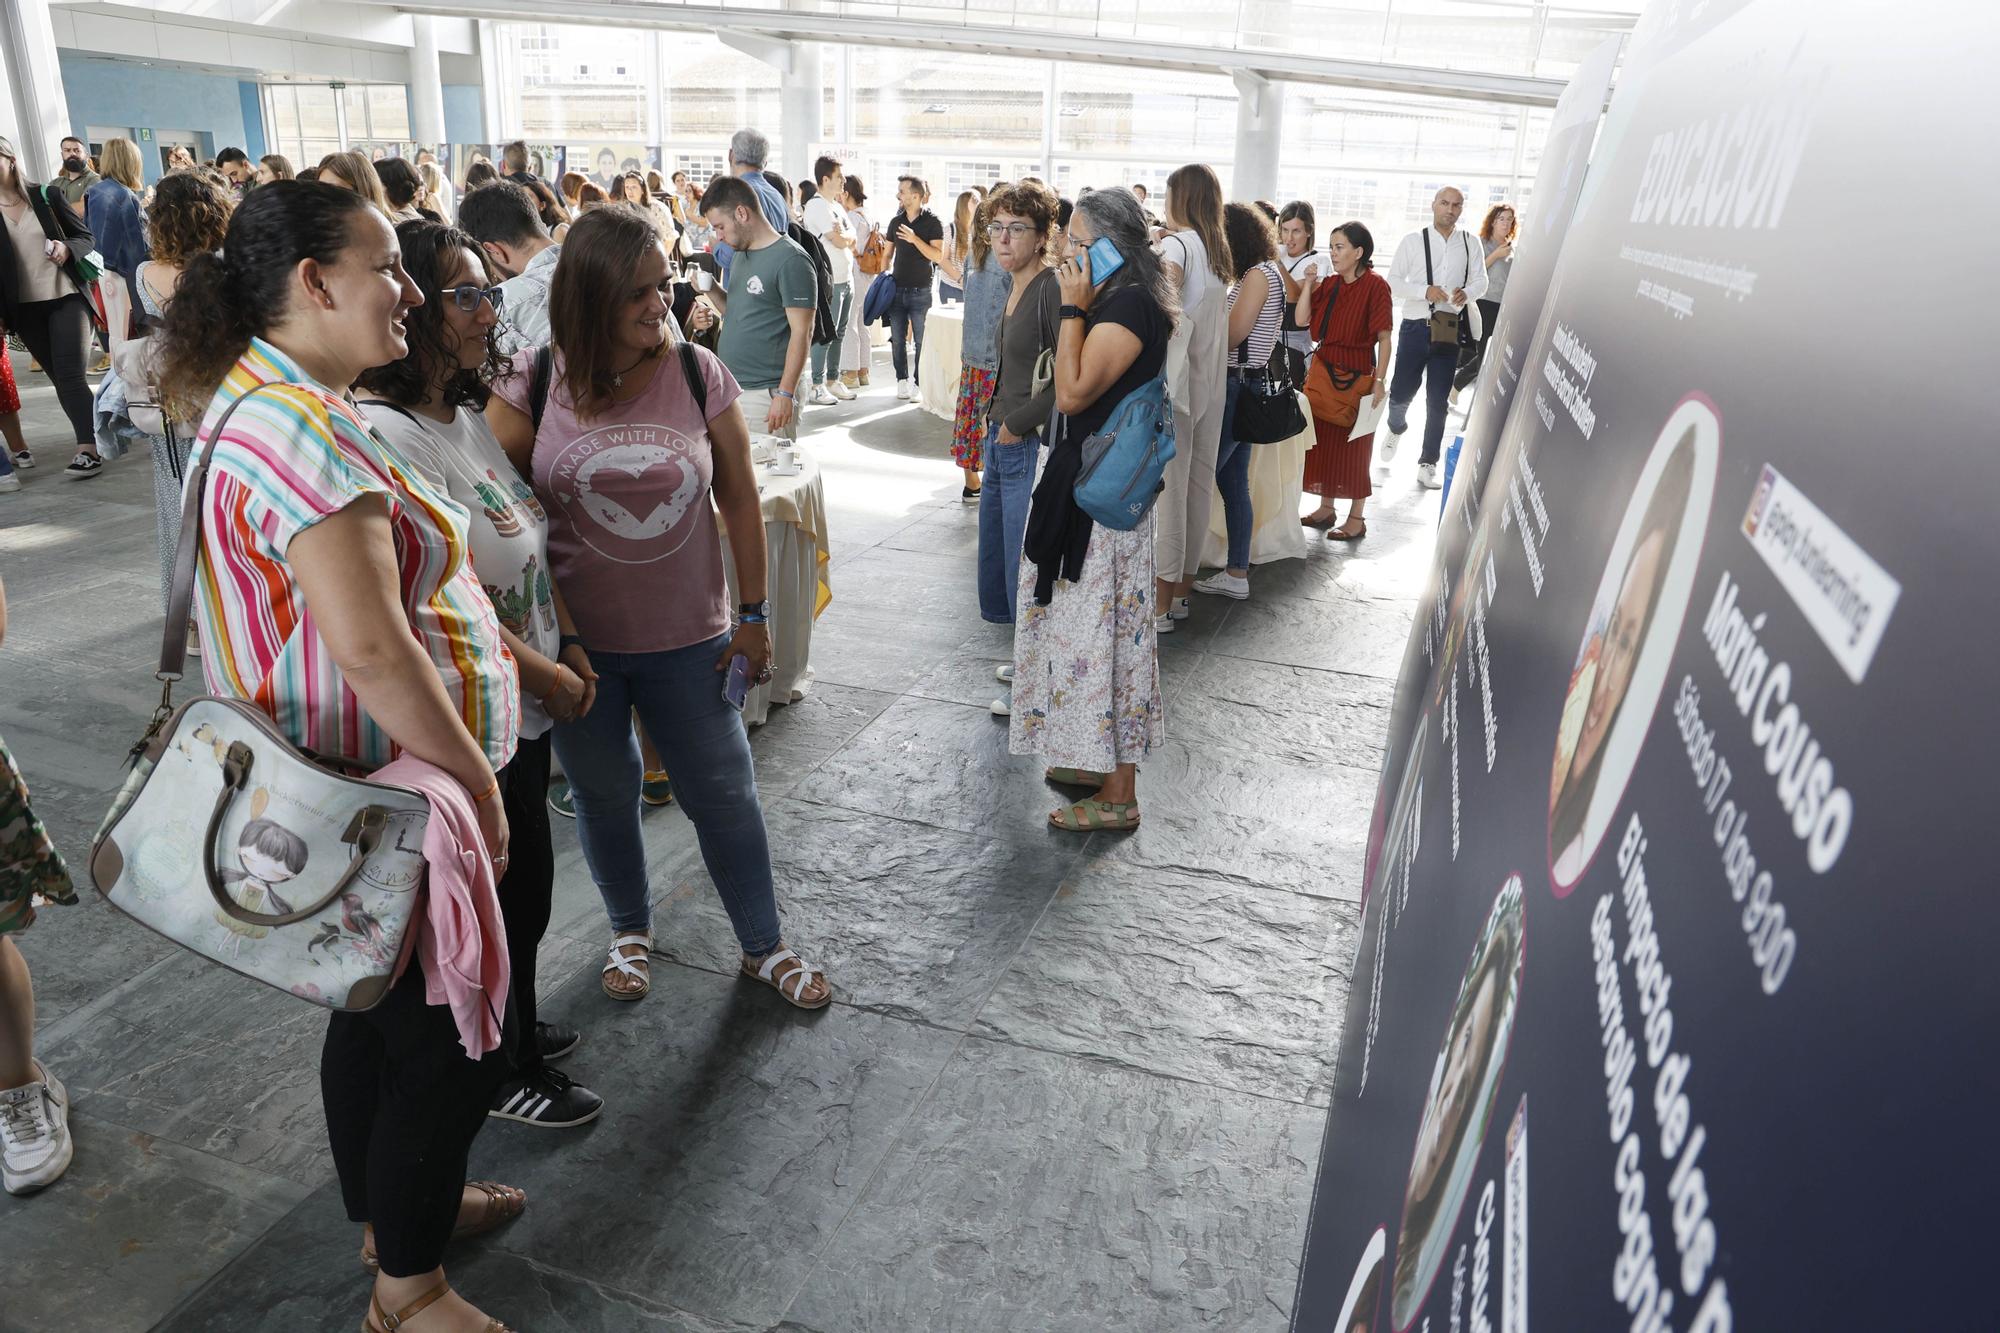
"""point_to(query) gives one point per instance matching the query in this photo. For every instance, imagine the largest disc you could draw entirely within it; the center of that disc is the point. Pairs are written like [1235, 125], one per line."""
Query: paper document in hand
[1368, 415]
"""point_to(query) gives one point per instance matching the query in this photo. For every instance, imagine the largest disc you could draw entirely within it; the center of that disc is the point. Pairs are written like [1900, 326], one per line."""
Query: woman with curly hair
[430, 405]
[336, 594]
[189, 217]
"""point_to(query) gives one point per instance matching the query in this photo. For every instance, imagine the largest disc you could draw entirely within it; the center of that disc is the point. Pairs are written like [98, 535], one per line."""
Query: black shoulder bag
[1267, 406]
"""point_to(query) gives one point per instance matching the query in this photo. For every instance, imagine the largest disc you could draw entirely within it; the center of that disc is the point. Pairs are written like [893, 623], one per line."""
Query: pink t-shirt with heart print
[633, 542]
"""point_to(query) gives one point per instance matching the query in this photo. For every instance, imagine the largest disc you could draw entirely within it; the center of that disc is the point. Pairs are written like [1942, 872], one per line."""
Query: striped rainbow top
[288, 459]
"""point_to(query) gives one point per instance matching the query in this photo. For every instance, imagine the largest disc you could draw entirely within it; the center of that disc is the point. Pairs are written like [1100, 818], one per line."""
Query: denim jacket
[112, 213]
[986, 289]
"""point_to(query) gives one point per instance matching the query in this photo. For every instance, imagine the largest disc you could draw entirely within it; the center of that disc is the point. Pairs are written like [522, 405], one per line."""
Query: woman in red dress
[1356, 340]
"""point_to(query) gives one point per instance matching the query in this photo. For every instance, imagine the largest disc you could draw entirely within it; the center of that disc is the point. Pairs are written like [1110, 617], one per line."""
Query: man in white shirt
[505, 221]
[1440, 268]
[825, 219]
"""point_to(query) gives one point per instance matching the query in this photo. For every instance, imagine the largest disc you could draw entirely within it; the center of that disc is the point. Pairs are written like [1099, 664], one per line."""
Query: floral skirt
[968, 423]
[10, 397]
[32, 873]
[1087, 665]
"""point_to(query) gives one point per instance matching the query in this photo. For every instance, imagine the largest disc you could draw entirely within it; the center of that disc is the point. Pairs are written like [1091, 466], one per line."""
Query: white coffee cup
[703, 280]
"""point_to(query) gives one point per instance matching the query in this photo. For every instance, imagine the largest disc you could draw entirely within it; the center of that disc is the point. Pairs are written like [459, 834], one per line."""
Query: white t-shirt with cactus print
[510, 530]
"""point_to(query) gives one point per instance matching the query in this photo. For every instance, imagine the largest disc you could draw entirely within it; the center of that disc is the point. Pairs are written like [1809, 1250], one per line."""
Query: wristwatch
[563, 643]
[754, 613]
[1071, 312]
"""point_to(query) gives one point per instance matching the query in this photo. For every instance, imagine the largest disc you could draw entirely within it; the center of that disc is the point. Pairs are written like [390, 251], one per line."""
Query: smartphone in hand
[737, 688]
[1104, 260]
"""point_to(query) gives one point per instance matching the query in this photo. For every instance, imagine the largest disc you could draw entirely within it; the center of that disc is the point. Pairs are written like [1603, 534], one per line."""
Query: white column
[1051, 121]
[494, 130]
[34, 113]
[426, 84]
[801, 96]
[802, 112]
[1260, 120]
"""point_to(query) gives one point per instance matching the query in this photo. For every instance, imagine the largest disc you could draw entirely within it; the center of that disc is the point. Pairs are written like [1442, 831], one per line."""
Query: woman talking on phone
[1086, 654]
[624, 451]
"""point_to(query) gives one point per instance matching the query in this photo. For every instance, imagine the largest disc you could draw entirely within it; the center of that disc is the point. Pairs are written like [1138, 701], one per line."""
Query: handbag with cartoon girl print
[234, 843]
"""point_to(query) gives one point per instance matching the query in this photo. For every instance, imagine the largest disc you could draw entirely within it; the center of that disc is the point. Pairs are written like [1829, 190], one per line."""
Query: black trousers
[528, 887]
[57, 334]
[1469, 359]
[403, 1101]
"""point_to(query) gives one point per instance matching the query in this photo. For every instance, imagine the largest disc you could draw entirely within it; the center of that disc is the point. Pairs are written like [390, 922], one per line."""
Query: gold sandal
[391, 1322]
[504, 1203]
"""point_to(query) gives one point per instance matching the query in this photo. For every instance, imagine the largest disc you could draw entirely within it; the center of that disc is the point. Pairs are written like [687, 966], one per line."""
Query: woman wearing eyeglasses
[428, 405]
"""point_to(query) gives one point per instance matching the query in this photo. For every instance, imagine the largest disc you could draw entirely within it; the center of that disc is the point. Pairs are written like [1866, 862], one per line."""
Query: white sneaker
[1001, 708]
[1005, 673]
[1427, 476]
[10, 482]
[1177, 609]
[35, 1146]
[839, 389]
[1163, 624]
[820, 397]
[1390, 439]
[1225, 584]
[904, 393]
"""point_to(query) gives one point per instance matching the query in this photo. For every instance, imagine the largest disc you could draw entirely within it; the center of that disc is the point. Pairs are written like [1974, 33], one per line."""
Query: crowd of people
[398, 557]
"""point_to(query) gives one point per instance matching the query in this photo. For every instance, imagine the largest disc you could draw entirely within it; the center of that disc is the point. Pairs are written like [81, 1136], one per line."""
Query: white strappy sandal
[631, 967]
[792, 984]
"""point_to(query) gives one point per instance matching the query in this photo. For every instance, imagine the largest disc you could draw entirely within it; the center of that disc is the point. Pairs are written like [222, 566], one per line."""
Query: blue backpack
[1125, 459]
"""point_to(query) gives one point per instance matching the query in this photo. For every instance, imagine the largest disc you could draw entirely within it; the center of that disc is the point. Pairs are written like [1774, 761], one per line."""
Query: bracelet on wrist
[492, 790]
[784, 393]
[554, 686]
[753, 620]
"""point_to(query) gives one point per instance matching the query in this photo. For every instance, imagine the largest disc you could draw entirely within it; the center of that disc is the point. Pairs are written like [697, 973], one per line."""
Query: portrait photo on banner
[1458, 1109]
[1628, 639]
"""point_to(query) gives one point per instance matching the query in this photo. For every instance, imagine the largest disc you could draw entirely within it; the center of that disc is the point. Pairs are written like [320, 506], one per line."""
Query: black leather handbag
[1267, 406]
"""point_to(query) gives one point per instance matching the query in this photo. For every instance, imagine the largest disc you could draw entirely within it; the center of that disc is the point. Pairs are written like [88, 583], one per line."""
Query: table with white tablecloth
[1277, 479]
[795, 553]
[938, 367]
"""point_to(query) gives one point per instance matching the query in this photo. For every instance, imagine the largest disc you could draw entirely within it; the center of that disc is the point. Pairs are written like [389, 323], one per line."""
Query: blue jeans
[1232, 478]
[826, 356]
[701, 740]
[1419, 360]
[907, 313]
[1007, 487]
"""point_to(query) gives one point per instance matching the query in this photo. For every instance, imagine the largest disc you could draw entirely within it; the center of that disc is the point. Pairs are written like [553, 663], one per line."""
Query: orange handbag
[1335, 395]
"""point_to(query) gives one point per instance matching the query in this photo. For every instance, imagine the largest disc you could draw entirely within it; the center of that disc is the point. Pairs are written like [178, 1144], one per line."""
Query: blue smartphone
[1104, 260]
[737, 688]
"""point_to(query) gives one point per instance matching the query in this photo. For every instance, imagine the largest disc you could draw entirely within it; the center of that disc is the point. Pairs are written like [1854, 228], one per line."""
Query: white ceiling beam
[736, 26]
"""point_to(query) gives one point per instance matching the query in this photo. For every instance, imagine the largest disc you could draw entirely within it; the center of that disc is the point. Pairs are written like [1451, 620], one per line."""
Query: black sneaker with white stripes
[553, 1041]
[547, 1100]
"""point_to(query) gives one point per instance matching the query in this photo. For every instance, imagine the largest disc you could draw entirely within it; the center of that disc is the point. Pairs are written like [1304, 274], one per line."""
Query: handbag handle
[180, 594]
[365, 833]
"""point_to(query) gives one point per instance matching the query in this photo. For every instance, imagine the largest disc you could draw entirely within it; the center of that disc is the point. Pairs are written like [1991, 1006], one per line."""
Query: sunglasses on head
[468, 298]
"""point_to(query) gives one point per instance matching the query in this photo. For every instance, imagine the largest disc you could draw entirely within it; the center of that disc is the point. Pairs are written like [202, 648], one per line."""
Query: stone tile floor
[1070, 1084]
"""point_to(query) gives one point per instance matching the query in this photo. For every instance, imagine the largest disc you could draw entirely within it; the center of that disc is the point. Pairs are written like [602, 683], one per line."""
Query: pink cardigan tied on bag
[462, 943]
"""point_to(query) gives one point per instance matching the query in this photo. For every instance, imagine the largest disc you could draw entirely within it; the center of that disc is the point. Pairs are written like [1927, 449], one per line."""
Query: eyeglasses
[1015, 229]
[467, 299]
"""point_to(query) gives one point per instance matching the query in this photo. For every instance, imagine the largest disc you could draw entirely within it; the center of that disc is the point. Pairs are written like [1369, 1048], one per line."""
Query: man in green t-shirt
[769, 304]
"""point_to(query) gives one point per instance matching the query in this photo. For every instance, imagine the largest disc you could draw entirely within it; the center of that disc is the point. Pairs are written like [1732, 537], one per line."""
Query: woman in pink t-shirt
[624, 453]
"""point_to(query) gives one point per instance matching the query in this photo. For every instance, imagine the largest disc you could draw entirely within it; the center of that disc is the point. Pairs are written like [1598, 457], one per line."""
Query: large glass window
[303, 120]
[959, 118]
